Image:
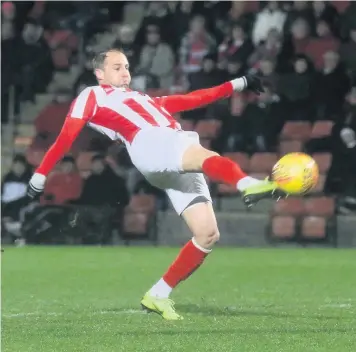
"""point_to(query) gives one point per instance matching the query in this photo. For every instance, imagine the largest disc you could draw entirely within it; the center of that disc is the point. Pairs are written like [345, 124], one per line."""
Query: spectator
[324, 11]
[235, 68]
[332, 84]
[323, 30]
[36, 60]
[267, 72]
[300, 31]
[103, 199]
[13, 189]
[157, 14]
[208, 76]
[8, 15]
[348, 19]
[342, 145]
[9, 67]
[270, 17]
[180, 22]
[125, 41]
[348, 51]
[195, 45]
[63, 186]
[300, 9]
[103, 187]
[348, 168]
[156, 60]
[263, 121]
[236, 45]
[237, 14]
[298, 89]
[276, 49]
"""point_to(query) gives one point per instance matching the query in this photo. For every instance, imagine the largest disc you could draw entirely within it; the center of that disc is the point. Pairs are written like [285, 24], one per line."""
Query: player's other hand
[254, 84]
[36, 186]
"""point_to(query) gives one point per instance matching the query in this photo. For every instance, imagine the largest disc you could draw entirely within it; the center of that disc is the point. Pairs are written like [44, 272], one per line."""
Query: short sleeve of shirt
[84, 106]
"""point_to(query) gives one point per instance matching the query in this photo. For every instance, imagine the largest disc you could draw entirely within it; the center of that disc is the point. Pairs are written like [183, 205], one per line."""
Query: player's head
[111, 67]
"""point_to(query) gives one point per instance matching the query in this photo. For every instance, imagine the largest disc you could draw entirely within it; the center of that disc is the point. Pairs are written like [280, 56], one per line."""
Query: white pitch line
[55, 314]
[338, 305]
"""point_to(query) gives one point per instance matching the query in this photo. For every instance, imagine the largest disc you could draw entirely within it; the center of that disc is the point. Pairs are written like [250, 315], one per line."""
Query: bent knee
[207, 239]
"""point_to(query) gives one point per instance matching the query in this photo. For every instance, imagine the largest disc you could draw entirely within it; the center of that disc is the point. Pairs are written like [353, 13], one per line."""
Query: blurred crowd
[305, 51]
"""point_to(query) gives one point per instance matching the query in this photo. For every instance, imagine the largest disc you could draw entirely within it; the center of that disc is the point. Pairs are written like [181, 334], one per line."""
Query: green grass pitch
[87, 299]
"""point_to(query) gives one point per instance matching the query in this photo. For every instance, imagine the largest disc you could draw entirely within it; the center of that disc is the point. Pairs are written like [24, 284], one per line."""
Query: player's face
[116, 70]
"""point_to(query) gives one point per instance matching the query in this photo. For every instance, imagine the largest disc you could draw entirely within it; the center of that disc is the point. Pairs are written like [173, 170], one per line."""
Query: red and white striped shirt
[121, 113]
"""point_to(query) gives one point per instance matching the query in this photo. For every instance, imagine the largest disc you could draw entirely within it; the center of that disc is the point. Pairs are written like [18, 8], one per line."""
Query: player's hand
[254, 84]
[36, 186]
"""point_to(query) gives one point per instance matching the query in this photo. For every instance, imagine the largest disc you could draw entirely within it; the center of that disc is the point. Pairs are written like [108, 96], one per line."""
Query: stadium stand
[70, 46]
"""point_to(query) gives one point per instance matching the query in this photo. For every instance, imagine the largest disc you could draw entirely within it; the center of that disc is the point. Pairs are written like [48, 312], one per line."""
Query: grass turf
[87, 299]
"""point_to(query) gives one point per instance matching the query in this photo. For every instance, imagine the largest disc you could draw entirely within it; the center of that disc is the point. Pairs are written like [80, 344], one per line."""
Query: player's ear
[99, 74]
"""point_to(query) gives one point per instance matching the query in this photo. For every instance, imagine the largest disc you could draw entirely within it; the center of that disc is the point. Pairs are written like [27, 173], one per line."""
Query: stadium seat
[283, 226]
[289, 206]
[321, 129]
[262, 162]
[240, 158]
[187, 125]
[340, 5]
[84, 160]
[286, 147]
[313, 227]
[323, 206]
[142, 203]
[296, 130]
[316, 48]
[22, 141]
[43, 141]
[64, 187]
[57, 113]
[319, 188]
[208, 128]
[324, 161]
[136, 223]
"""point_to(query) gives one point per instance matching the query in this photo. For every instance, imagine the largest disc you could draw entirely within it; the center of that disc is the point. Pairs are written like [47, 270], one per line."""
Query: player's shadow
[237, 312]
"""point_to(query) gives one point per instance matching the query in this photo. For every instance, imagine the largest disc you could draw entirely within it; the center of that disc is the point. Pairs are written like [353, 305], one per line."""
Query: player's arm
[202, 97]
[81, 111]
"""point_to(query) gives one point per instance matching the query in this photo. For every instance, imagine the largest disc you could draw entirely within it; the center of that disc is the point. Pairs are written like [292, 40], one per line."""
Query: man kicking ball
[168, 157]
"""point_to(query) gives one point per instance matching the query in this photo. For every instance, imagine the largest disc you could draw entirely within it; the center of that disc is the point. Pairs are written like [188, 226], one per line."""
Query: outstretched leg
[223, 170]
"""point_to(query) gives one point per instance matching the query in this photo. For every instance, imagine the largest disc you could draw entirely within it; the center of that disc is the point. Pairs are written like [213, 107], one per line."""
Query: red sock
[221, 169]
[189, 259]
